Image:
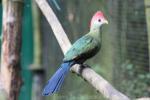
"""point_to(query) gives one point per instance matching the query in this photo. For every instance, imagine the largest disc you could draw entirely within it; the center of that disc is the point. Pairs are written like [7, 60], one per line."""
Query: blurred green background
[123, 59]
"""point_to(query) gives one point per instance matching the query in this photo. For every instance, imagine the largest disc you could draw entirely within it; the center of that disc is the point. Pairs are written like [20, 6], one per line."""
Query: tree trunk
[11, 47]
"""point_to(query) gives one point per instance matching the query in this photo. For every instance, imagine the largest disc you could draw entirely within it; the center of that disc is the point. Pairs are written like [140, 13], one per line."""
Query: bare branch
[99, 83]
[55, 25]
[143, 98]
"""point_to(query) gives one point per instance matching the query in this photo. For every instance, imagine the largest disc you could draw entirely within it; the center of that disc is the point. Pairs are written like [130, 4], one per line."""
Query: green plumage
[84, 48]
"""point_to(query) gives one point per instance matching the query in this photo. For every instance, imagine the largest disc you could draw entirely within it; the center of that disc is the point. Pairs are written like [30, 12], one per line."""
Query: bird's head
[98, 20]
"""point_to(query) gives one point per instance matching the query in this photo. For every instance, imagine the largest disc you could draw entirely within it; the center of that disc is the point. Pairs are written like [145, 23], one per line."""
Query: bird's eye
[99, 20]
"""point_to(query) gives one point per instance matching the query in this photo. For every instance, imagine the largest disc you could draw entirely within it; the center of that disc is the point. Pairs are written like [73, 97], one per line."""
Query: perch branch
[98, 82]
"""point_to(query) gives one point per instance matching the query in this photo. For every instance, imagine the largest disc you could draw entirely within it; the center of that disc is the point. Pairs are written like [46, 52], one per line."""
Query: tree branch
[98, 82]
[55, 25]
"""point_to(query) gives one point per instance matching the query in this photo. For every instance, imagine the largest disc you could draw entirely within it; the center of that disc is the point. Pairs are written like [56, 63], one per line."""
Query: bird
[83, 49]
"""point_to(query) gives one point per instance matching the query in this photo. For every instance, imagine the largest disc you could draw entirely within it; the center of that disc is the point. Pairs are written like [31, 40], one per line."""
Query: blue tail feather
[54, 84]
[60, 83]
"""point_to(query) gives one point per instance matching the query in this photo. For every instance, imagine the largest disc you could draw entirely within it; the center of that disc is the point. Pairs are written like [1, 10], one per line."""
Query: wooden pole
[11, 47]
[147, 13]
[36, 67]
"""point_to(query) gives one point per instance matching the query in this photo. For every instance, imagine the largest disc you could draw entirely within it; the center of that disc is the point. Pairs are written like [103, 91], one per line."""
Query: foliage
[135, 82]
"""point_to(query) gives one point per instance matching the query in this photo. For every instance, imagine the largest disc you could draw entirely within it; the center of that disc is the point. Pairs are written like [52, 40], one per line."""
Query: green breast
[84, 48]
